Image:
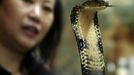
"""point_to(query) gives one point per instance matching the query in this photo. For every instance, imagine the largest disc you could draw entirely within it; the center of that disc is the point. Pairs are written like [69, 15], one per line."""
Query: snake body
[86, 28]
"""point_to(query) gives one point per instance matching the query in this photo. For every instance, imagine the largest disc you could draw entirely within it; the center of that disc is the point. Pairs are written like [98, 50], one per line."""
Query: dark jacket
[5, 72]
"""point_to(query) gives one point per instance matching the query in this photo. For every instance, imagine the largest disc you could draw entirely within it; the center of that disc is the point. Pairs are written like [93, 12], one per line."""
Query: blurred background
[117, 27]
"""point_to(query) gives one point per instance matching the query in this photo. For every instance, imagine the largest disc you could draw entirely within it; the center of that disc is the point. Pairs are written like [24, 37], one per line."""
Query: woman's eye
[48, 9]
[28, 1]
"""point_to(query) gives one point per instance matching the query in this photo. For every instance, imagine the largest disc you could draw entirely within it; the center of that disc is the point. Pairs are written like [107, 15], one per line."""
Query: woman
[29, 32]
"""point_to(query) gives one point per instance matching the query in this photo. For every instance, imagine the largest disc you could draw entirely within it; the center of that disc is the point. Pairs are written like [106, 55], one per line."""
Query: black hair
[46, 48]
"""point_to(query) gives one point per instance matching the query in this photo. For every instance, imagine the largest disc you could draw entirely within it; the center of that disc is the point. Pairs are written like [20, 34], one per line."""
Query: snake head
[102, 2]
[96, 4]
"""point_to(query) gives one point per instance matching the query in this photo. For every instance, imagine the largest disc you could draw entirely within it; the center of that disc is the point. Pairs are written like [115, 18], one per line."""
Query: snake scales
[86, 28]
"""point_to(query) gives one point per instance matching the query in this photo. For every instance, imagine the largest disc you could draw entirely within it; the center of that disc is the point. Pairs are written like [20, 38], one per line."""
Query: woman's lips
[30, 30]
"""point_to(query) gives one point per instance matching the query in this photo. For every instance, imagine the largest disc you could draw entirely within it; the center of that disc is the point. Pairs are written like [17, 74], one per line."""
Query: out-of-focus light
[122, 66]
[111, 67]
[131, 65]
[122, 2]
[122, 71]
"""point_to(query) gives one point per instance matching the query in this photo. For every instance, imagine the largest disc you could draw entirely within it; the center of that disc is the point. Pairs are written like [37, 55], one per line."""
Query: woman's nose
[35, 14]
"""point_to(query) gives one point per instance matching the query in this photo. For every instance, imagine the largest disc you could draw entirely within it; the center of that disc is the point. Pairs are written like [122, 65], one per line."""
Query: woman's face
[24, 23]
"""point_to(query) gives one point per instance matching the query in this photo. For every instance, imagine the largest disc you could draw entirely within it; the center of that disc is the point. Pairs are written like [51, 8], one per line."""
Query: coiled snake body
[85, 25]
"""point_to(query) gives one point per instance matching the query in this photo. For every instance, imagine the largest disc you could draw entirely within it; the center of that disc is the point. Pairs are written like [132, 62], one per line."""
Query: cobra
[86, 28]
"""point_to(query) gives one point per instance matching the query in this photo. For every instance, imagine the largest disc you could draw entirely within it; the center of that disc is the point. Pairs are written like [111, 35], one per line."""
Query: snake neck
[91, 33]
[87, 32]
[88, 37]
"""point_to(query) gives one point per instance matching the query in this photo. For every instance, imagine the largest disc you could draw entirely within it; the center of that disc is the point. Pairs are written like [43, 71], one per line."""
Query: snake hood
[86, 28]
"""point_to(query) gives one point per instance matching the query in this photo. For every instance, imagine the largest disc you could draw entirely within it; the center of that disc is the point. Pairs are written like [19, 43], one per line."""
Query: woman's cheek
[48, 21]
